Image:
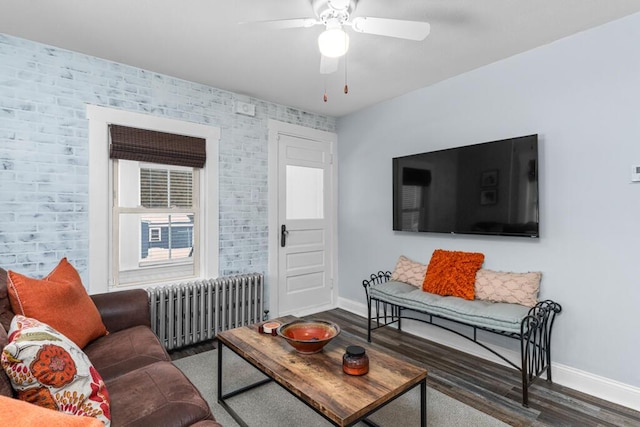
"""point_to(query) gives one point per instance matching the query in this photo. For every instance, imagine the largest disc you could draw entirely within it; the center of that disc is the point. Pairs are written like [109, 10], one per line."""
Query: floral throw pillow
[49, 370]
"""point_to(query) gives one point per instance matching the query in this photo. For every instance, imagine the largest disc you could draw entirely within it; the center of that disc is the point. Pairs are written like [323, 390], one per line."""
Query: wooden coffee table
[318, 380]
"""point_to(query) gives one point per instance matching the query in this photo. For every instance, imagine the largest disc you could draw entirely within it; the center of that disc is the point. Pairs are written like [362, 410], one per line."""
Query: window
[156, 196]
[105, 171]
[155, 235]
[156, 213]
[169, 189]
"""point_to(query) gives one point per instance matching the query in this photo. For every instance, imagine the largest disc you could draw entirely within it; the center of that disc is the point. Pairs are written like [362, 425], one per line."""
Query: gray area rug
[272, 406]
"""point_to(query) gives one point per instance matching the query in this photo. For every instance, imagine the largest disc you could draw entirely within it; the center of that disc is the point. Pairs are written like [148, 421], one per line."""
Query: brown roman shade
[156, 147]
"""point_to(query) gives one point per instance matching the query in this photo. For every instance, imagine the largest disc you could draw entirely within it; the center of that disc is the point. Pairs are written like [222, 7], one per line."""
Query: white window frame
[101, 191]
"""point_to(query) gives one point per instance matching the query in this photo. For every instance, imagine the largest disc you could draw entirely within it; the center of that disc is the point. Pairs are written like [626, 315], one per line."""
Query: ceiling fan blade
[285, 24]
[411, 30]
[328, 65]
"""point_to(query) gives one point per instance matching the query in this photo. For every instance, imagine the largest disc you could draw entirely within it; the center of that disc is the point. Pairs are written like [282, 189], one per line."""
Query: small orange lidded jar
[355, 361]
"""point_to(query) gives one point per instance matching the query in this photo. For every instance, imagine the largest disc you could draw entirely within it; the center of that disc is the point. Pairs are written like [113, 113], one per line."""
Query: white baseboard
[586, 382]
[596, 385]
[308, 311]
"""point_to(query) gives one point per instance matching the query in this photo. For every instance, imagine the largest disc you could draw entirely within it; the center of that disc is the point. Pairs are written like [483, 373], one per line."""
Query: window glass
[161, 188]
[156, 218]
[305, 192]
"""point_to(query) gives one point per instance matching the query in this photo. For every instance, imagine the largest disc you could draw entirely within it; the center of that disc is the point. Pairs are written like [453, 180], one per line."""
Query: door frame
[277, 128]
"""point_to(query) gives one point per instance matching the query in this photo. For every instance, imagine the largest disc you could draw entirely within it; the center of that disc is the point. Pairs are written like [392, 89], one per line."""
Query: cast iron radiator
[189, 313]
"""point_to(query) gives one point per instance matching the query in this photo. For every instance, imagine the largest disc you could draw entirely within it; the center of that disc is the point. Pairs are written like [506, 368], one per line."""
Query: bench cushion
[492, 315]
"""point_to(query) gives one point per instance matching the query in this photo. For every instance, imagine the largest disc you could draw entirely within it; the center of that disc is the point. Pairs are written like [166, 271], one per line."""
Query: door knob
[283, 235]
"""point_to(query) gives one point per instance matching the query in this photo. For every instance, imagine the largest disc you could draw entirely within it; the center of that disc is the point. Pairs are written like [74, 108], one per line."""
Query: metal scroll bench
[388, 302]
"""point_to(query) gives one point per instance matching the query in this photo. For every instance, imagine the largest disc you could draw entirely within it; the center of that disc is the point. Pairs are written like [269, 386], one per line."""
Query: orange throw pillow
[17, 413]
[452, 273]
[59, 300]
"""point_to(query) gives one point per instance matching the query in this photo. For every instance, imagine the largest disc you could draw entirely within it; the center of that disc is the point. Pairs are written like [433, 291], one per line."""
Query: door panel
[305, 260]
[299, 237]
[306, 283]
[306, 154]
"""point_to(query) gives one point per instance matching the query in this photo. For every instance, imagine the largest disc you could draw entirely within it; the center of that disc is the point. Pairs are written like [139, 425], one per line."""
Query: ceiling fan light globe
[333, 43]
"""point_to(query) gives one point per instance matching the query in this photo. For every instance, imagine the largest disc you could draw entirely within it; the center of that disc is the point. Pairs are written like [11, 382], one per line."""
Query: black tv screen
[489, 188]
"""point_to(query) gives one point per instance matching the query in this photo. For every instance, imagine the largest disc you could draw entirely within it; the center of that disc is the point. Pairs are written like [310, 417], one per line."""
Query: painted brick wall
[44, 152]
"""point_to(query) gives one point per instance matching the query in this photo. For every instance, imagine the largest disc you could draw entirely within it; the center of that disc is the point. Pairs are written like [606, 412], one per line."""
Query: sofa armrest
[123, 309]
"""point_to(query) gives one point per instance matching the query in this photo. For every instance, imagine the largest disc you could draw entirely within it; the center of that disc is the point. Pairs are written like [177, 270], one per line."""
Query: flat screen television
[489, 188]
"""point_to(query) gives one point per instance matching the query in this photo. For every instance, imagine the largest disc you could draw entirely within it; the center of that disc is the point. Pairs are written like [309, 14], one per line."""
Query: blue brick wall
[44, 152]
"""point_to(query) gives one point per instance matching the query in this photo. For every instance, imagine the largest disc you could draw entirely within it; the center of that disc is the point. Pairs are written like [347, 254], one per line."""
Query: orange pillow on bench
[59, 300]
[452, 273]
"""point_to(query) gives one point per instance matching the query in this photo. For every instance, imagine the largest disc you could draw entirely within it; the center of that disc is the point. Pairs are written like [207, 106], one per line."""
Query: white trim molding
[100, 187]
[585, 382]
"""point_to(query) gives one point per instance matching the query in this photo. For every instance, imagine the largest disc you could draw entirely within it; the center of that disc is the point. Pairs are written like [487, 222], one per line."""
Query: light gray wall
[582, 96]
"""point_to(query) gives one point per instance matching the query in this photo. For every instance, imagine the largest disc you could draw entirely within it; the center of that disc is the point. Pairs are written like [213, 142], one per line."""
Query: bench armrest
[123, 309]
[375, 279]
[539, 318]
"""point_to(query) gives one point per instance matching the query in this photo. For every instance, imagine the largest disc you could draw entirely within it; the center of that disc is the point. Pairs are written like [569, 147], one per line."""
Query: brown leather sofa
[145, 388]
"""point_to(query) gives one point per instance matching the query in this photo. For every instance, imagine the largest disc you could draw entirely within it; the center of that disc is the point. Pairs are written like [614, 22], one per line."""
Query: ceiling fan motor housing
[339, 10]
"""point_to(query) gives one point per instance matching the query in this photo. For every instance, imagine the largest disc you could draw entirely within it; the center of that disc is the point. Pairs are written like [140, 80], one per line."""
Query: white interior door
[305, 270]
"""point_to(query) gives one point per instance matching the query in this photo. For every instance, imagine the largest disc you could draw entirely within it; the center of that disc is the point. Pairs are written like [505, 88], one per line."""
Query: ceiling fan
[335, 16]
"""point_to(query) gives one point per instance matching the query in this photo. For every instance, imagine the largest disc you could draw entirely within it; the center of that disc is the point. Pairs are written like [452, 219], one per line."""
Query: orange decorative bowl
[308, 336]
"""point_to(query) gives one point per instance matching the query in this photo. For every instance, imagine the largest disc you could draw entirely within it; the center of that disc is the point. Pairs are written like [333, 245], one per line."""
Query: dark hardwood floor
[484, 385]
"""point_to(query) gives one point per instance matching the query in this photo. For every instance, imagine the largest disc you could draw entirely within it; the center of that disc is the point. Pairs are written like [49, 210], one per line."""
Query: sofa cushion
[124, 351]
[75, 315]
[49, 370]
[17, 413]
[516, 288]
[409, 271]
[157, 394]
[452, 273]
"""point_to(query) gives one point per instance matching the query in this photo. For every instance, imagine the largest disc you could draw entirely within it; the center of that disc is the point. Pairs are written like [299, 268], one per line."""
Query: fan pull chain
[325, 97]
[346, 86]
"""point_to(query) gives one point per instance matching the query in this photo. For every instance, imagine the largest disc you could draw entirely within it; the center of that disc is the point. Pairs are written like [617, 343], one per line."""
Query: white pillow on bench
[408, 271]
[516, 288]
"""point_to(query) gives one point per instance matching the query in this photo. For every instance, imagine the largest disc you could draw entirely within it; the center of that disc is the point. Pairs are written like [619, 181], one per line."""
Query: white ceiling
[202, 41]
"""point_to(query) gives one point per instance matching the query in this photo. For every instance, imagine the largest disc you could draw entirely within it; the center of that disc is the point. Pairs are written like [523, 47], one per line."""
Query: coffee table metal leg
[423, 406]
[222, 397]
[219, 372]
[423, 403]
